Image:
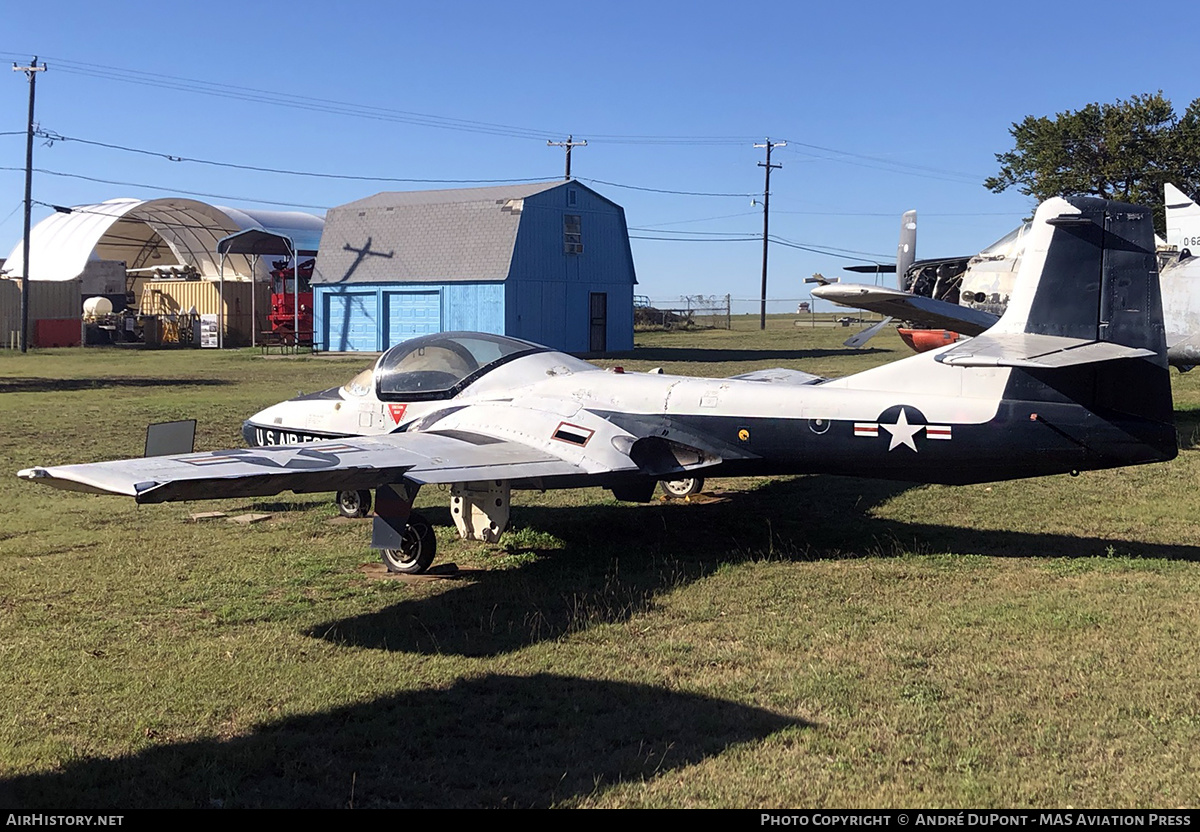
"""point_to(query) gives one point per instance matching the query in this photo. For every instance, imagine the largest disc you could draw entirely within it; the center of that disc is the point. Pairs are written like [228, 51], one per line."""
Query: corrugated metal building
[49, 302]
[118, 245]
[547, 262]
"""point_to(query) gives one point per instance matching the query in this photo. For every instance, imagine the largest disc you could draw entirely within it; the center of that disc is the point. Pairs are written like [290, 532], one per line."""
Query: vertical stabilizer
[1183, 219]
[1089, 273]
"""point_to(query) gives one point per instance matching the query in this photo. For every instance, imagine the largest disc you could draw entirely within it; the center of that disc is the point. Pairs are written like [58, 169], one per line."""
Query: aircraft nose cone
[248, 433]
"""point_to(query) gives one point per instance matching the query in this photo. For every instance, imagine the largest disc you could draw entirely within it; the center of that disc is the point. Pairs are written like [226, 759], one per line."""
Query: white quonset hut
[547, 262]
[145, 235]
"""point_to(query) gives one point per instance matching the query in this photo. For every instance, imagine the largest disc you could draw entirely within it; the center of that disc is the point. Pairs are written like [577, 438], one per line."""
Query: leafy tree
[1124, 151]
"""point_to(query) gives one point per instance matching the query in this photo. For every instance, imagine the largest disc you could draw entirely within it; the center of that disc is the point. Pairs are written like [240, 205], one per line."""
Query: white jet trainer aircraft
[1073, 377]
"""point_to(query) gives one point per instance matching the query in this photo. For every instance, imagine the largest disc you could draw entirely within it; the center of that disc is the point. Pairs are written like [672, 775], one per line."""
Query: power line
[13, 211]
[366, 111]
[870, 257]
[700, 240]
[897, 213]
[170, 157]
[690, 234]
[281, 99]
[664, 190]
[171, 190]
[915, 168]
[827, 251]
[701, 219]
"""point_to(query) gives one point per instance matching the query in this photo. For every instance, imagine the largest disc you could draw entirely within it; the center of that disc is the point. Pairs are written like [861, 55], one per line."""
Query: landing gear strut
[404, 538]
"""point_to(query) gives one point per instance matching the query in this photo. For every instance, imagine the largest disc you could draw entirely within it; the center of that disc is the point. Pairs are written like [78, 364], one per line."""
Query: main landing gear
[682, 488]
[418, 546]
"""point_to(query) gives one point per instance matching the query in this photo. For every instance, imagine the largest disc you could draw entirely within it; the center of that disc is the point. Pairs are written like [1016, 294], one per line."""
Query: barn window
[572, 234]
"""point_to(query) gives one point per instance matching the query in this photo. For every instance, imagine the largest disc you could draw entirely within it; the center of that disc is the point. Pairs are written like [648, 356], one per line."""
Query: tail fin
[906, 250]
[1085, 323]
[1087, 291]
[1183, 219]
[1076, 368]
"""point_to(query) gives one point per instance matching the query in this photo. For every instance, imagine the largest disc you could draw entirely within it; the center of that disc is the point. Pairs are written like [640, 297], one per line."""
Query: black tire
[683, 487]
[353, 503]
[417, 549]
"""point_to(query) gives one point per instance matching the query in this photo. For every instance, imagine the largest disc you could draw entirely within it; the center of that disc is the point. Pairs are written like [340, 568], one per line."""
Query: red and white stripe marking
[937, 432]
[866, 429]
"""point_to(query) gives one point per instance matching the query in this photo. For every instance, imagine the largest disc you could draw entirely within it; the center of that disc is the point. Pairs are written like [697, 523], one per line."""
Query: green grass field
[789, 642]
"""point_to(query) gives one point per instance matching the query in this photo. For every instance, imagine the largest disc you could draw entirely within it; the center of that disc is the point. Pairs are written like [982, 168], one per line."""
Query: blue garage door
[410, 314]
[350, 322]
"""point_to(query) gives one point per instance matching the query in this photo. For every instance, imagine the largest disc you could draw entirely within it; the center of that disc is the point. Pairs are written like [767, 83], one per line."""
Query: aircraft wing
[336, 465]
[908, 307]
[1034, 351]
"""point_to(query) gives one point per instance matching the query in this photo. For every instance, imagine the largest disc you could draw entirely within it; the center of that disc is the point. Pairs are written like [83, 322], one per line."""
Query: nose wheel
[353, 503]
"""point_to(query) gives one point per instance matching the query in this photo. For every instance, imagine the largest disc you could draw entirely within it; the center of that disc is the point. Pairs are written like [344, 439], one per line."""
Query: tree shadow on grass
[496, 741]
[617, 559]
[67, 385]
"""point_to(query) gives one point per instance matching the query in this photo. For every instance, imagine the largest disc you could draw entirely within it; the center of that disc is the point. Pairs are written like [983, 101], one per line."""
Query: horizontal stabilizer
[1035, 351]
[780, 375]
[882, 268]
[908, 307]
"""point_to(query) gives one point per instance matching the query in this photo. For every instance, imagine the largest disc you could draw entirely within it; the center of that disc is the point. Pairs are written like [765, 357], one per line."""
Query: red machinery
[283, 316]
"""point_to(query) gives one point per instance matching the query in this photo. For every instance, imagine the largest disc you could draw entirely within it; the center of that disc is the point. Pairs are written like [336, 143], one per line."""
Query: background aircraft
[1072, 378]
[968, 295]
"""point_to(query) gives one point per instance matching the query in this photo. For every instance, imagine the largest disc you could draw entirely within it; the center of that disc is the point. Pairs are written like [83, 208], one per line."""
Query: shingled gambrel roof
[464, 234]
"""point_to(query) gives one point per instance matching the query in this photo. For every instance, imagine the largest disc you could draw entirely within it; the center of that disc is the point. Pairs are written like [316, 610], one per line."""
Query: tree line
[1123, 151]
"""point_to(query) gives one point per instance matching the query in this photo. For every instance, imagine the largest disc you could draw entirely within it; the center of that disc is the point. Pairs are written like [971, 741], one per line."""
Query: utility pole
[762, 313]
[31, 72]
[568, 144]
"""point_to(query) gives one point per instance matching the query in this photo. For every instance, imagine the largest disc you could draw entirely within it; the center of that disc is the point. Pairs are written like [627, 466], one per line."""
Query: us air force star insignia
[907, 423]
[294, 457]
[902, 432]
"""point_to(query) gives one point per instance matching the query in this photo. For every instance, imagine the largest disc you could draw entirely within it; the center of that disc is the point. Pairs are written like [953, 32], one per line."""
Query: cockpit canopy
[436, 366]
[1010, 246]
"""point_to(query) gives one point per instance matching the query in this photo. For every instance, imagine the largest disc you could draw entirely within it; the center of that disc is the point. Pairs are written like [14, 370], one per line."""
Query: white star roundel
[902, 424]
[902, 432]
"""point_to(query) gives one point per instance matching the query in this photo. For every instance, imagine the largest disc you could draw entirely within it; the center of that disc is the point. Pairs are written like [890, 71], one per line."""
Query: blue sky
[885, 107]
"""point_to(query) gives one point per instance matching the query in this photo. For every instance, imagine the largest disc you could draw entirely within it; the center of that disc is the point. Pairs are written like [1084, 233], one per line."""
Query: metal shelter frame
[254, 243]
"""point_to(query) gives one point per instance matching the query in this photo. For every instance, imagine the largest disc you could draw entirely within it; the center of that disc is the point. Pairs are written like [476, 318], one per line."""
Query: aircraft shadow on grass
[66, 385]
[1187, 425]
[496, 741]
[617, 559]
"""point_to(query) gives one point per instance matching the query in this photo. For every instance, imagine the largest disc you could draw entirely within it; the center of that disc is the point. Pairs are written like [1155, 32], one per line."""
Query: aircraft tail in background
[1183, 219]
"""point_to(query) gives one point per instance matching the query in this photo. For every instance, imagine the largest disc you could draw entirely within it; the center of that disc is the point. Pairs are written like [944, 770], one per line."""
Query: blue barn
[547, 262]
